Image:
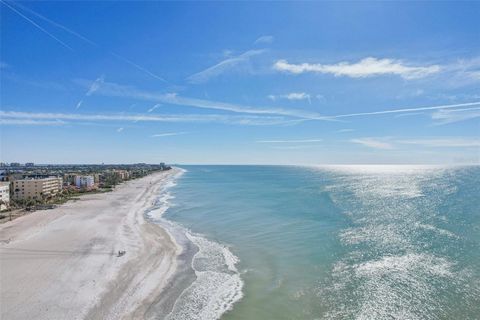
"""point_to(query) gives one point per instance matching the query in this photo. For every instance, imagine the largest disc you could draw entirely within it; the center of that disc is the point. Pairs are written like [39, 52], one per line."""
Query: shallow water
[346, 242]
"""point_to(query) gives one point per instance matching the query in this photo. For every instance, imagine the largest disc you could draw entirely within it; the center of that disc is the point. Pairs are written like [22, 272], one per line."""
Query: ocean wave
[218, 285]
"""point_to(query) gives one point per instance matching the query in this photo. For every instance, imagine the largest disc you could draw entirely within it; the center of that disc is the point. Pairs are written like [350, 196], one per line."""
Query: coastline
[62, 263]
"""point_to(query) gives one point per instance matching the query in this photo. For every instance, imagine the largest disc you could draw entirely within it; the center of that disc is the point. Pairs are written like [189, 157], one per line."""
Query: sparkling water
[331, 242]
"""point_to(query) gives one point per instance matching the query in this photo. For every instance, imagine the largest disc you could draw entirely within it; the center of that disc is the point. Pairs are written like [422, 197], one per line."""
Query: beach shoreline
[62, 263]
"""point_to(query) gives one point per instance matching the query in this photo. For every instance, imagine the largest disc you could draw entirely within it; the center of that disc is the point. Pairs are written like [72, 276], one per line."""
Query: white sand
[62, 263]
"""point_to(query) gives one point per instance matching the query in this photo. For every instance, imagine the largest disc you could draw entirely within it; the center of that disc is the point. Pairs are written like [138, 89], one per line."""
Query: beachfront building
[84, 181]
[36, 188]
[122, 174]
[4, 195]
[69, 178]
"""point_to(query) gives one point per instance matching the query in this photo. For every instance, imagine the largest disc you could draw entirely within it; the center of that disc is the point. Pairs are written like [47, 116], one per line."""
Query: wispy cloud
[373, 143]
[291, 96]
[291, 147]
[3, 65]
[251, 120]
[95, 85]
[264, 39]
[367, 67]
[120, 129]
[345, 130]
[31, 122]
[444, 142]
[168, 134]
[158, 105]
[463, 72]
[437, 142]
[290, 141]
[112, 89]
[442, 117]
[223, 66]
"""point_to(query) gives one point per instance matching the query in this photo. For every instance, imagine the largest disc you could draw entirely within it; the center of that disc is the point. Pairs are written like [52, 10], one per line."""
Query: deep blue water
[346, 242]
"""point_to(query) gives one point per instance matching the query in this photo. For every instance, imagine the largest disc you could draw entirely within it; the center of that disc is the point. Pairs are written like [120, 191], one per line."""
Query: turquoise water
[346, 242]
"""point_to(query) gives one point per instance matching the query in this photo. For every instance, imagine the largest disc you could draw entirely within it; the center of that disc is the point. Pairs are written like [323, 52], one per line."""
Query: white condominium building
[84, 181]
[4, 195]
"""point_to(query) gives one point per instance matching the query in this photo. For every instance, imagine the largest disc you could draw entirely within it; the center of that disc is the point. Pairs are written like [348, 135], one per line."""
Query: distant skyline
[240, 83]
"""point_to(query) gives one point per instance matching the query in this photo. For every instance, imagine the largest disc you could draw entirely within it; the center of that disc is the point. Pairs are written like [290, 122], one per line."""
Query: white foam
[218, 285]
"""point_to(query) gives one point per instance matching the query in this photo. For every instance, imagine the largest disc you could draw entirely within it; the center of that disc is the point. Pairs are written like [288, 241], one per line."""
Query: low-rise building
[84, 181]
[122, 174]
[36, 189]
[96, 177]
[69, 178]
[4, 195]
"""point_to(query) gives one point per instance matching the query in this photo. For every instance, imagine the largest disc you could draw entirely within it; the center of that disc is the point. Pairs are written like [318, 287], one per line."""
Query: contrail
[78, 35]
[449, 106]
[36, 25]
[56, 24]
[137, 66]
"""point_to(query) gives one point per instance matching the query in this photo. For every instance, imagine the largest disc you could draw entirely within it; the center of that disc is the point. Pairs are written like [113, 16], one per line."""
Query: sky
[300, 83]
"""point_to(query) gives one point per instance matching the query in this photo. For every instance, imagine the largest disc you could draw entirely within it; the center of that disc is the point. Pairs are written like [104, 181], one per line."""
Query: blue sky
[242, 83]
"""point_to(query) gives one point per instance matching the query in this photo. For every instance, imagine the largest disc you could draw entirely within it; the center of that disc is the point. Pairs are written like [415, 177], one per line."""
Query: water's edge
[206, 283]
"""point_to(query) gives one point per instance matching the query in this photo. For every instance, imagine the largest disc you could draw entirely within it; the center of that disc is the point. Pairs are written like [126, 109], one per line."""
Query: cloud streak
[222, 67]
[441, 142]
[167, 134]
[112, 89]
[402, 110]
[367, 67]
[31, 122]
[264, 39]
[95, 86]
[293, 96]
[290, 141]
[16, 117]
[442, 116]
[158, 105]
[373, 143]
[444, 142]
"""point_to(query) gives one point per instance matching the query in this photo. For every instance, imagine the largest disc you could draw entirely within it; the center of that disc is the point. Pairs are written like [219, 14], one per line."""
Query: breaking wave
[218, 285]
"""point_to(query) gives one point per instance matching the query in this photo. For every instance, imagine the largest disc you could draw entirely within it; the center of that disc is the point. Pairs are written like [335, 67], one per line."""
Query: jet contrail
[78, 35]
[36, 25]
[55, 24]
[449, 106]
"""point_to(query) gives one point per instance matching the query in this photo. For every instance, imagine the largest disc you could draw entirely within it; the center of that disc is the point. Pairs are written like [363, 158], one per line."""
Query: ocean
[328, 242]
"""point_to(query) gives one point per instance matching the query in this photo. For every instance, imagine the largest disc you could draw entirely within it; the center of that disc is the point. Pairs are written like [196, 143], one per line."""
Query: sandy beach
[63, 264]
